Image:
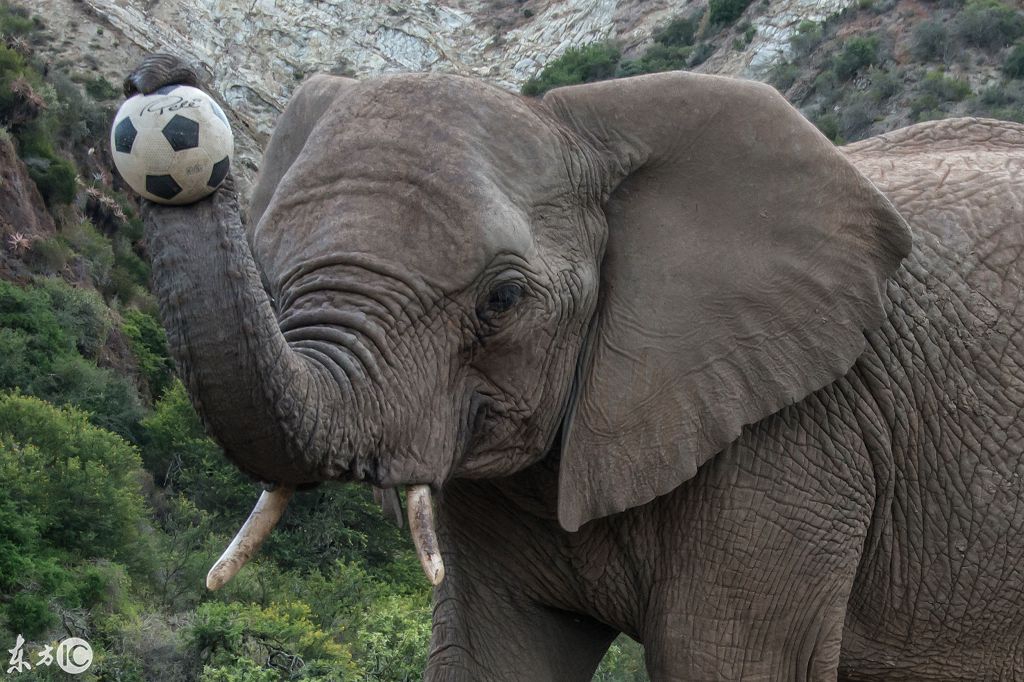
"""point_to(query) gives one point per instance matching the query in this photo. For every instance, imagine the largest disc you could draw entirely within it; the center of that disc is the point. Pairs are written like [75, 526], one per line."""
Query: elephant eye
[500, 300]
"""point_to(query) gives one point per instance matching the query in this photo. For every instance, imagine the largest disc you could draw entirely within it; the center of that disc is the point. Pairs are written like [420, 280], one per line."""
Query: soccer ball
[172, 146]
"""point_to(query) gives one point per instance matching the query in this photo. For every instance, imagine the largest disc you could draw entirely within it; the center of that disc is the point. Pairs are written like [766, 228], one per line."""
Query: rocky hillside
[919, 57]
[255, 53]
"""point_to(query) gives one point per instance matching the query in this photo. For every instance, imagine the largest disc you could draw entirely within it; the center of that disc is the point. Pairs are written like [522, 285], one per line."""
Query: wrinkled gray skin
[667, 358]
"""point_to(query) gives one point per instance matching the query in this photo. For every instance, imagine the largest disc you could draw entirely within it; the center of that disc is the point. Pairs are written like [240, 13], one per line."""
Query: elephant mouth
[419, 511]
[272, 503]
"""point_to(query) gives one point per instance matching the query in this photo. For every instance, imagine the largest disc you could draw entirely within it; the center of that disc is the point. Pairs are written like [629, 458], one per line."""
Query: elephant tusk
[254, 531]
[424, 535]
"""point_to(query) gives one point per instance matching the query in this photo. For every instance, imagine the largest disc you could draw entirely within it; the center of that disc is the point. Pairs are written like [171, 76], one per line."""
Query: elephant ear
[305, 108]
[745, 258]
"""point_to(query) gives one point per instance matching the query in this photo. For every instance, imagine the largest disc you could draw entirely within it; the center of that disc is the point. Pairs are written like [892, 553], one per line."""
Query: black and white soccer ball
[172, 146]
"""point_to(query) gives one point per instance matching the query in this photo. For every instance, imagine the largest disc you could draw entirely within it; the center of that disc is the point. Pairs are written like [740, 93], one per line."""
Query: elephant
[661, 358]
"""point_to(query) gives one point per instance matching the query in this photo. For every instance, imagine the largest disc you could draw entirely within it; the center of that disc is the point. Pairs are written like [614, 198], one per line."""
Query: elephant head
[443, 279]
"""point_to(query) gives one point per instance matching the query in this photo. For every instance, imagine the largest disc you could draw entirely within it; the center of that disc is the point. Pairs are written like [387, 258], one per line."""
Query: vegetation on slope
[876, 66]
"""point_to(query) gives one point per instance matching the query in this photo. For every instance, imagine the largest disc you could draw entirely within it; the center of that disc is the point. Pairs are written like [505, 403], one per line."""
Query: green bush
[47, 327]
[95, 249]
[858, 53]
[725, 12]
[925, 107]
[930, 41]
[247, 641]
[807, 36]
[81, 313]
[1004, 101]
[856, 115]
[394, 637]
[884, 84]
[55, 177]
[30, 313]
[101, 89]
[78, 478]
[701, 53]
[1013, 67]
[110, 400]
[783, 75]
[679, 31]
[16, 21]
[945, 88]
[989, 24]
[69, 509]
[578, 65]
[149, 345]
[828, 124]
[657, 58]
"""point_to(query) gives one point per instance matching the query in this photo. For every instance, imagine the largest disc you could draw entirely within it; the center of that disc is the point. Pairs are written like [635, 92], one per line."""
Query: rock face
[256, 53]
[24, 219]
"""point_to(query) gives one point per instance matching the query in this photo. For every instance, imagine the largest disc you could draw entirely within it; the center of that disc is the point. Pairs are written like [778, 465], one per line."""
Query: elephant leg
[509, 608]
[773, 533]
[484, 632]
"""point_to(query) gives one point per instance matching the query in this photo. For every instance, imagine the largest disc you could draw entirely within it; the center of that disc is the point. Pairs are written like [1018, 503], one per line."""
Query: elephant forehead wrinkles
[438, 182]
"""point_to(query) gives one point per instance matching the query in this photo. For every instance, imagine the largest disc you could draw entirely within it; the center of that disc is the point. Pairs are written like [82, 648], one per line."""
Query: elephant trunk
[272, 409]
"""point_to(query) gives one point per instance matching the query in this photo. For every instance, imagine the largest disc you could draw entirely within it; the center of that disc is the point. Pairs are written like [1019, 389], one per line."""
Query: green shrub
[78, 480]
[858, 53]
[110, 399]
[1013, 67]
[725, 12]
[231, 638]
[805, 38]
[55, 177]
[15, 21]
[783, 75]
[701, 53]
[45, 329]
[24, 310]
[828, 124]
[856, 115]
[96, 251]
[1004, 101]
[657, 58]
[149, 345]
[925, 107]
[945, 88]
[884, 84]
[578, 65]
[680, 31]
[101, 89]
[79, 312]
[930, 41]
[50, 256]
[989, 24]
